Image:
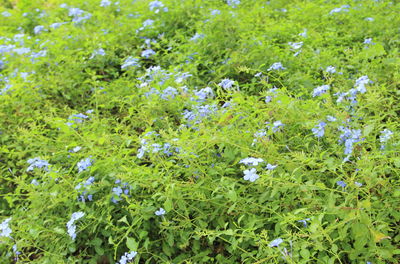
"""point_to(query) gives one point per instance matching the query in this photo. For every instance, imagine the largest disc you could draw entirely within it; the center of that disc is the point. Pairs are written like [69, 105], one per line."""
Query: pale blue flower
[148, 53]
[233, 3]
[148, 22]
[296, 45]
[349, 137]
[38, 29]
[361, 82]
[320, 90]
[6, 14]
[130, 62]
[277, 126]
[160, 212]
[271, 167]
[5, 230]
[98, 52]
[250, 175]
[105, 3]
[71, 227]
[276, 66]
[37, 163]
[215, 12]
[343, 8]
[75, 149]
[156, 6]
[251, 161]
[368, 41]
[369, 19]
[276, 242]
[204, 94]
[303, 34]
[341, 183]
[84, 164]
[169, 93]
[319, 130]
[385, 136]
[127, 257]
[330, 69]
[331, 118]
[358, 184]
[196, 37]
[304, 221]
[226, 83]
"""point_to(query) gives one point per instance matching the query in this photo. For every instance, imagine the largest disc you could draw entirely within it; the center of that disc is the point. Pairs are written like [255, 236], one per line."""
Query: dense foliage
[189, 131]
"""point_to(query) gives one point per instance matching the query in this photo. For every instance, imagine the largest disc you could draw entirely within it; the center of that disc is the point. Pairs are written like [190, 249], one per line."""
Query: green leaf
[131, 244]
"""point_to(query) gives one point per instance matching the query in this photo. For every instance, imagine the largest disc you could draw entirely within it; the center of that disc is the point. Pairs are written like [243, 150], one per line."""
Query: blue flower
[320, 90]
[169, 93]
[233, 3]
[215, 12]
[71, 227]
[196, 37]
[275, 242]
[226, 83]
[385, 136]
[204, 94]
[358, 184]
[343, 8]
[271, 167]
[331, 118]
[127, 257]
[130, 62]
[148, 53]
[368, 41]
[6, 14]
[5, 230]
[117, 191]
[160, 212]
[276, 66]
[105, 3]
[330, 69]
[361, 82]
[84, 164]
[349, 137]
[304, 221]
[341, 183]
[37, 163]
[98, 52]
[148, 22]
[38, 29]
[251, 161]
[319, 130]
[296, 45]
[250, 175]
[155, 6]
[277, 126]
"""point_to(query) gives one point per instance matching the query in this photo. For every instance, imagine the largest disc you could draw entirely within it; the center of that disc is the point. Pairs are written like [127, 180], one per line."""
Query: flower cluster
[37, 163]
[71, 227]
[276, 66]
[127, 257]
[5, 230]
[156, 6]
[121, 188]
[84, 189]
[320, 90]
[84, 164]
[349, 137]
[78, 118]
[130, 62]
[319, 130]
[385, 136]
